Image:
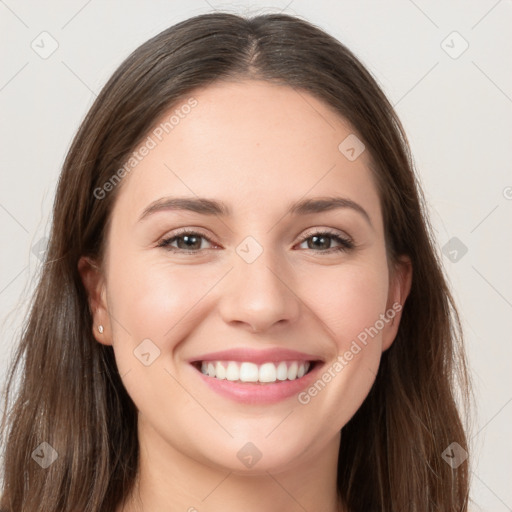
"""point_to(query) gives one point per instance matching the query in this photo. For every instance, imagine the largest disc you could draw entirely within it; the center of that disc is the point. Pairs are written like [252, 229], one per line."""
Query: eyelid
[187, 230]
[328, 231]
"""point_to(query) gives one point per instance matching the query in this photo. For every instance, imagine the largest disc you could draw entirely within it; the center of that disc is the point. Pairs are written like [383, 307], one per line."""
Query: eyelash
[346, 244]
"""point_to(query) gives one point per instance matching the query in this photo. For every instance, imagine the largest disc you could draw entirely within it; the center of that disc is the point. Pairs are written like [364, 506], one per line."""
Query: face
[261, 316]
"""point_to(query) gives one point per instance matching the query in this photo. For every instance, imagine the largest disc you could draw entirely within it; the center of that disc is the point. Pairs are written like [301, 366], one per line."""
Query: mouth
[252, 376]
[270, 372]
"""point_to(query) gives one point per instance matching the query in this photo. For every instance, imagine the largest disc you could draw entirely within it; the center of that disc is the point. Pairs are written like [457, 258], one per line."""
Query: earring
[100, 329]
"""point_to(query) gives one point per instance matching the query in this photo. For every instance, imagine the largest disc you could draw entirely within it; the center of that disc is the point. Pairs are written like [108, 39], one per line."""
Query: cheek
[350, 305]
[156, 299]
[162, 303]
[152, 299]
[348, 299]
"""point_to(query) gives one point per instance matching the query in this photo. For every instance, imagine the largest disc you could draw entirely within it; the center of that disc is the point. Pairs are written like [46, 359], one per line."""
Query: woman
[241, 305]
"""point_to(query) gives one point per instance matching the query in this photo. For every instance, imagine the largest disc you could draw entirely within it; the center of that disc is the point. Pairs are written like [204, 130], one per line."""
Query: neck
[170, 480]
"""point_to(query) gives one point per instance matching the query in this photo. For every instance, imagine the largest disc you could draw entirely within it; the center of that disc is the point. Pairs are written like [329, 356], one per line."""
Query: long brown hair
[70, 394]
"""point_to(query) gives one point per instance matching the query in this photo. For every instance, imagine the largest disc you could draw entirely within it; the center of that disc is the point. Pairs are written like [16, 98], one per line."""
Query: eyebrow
[212, 207]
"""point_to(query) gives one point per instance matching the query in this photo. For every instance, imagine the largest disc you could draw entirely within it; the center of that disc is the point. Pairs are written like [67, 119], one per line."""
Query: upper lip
[256, 356]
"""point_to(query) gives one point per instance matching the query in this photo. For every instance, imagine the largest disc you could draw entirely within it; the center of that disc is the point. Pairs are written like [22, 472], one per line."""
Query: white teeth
[282, 371]
[268, 372]
[232, 372]
[248, 372]
[251, 372]
[292, 371]
[220, 371]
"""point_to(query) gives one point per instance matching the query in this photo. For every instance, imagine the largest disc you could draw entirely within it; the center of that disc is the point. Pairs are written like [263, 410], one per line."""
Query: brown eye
[321, 242]
[186, 241]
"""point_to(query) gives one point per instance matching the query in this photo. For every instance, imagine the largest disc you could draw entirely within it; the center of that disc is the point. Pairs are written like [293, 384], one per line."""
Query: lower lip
[255, 393]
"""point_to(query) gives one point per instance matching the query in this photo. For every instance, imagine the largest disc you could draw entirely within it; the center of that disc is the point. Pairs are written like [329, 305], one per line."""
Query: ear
[95, 287]
[400, 279]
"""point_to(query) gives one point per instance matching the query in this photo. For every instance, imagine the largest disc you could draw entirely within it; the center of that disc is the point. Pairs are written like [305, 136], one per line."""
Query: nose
[259, 295]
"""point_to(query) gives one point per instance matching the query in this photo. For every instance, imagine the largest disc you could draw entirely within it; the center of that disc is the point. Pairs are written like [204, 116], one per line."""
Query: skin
[257, 147]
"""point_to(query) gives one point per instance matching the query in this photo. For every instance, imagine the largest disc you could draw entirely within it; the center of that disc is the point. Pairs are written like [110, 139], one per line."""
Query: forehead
[252, 143]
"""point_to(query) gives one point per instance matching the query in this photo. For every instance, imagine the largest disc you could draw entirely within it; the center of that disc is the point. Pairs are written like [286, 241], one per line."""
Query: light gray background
[456, 111]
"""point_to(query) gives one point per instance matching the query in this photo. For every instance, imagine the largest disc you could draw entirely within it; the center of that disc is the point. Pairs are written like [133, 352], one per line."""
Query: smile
[244, 371]
[257, 376]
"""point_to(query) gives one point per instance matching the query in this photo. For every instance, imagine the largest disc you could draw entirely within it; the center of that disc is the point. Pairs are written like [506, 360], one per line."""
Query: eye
[187, 241]
[190, 242]
[322, 240]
